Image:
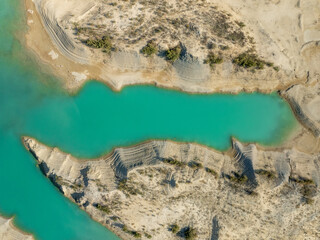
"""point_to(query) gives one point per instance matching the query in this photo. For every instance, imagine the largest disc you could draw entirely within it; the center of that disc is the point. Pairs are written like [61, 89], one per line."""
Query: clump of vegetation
[128, 190]
[249, 60]
[265, 173]
[276, 68]
[103, 208]
[211, 171]
[213, 59]
[194, 164]
[308, 188]
[189, 233]
[302, 180]
[224, 47]
[147, 235]
[173, 54]
[104, 43]
[240, 24]
[175, 162]
[150, 49]
[237, 178]
[174, 228]
[236, 37]
[133, 233]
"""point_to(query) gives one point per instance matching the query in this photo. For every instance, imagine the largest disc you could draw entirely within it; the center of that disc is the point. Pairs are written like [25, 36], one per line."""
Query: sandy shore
[158, 192]
[290, 41]
[10, 232]
[120, 71]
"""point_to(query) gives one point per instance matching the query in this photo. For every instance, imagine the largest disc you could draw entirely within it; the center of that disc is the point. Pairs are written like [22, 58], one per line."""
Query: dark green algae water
[98, 119]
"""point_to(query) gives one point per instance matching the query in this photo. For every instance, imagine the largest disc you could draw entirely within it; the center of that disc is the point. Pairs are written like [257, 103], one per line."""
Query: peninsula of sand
[9, 232]
[201, 46]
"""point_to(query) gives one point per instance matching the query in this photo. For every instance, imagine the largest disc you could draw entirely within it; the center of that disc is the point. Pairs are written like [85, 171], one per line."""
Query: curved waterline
[98, 119]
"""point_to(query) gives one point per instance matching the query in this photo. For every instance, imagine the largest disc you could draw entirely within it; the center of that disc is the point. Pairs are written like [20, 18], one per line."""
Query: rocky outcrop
[287, 43]
[9, 232]
[141, 191]
[60, 37]
[305, 101]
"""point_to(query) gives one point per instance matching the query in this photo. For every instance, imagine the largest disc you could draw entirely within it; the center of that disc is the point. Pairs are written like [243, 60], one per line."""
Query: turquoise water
[96, 120]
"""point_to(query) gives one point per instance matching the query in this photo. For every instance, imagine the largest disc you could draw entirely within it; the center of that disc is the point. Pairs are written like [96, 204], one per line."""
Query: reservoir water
[98, 119]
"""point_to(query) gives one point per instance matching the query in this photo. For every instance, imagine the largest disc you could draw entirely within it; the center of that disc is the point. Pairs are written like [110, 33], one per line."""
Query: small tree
[213, 59]
[174, 228]
[150, 49]
[173, 54]
[190, 233]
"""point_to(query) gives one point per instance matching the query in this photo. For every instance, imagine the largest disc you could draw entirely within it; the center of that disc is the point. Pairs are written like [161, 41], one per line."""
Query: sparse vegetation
[174, 228]
[211, 171]
[213, 59]
[132, 232]
[265, 173]
[128, 190]
[147, 235]
[307, 188]
[103, 208]
[175, 162]
[194, 164]
[190, 233]
[150, 49]
[237, 178]
[173, 54]
[240, 24]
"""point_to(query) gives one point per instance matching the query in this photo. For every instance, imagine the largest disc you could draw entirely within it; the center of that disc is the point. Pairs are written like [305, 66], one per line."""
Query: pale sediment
[305, 101]
[9, 232]
[250, 192]
[188, 73]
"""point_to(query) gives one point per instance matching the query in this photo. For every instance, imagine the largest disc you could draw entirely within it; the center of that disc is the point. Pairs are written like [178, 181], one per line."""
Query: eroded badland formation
[168, 190]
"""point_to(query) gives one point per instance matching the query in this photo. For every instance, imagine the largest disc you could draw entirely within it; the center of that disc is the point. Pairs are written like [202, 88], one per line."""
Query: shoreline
[117, 79]
[301, 137]
[24, 235]
[64, 69]
[59, 166]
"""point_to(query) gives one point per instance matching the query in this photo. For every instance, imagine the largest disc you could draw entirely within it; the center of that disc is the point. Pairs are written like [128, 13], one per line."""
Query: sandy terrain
[9, 232]
[68, 25]
[290, 42]
[244, 193]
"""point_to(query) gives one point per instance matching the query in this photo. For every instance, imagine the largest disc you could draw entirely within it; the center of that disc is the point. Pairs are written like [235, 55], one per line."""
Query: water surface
[96, 120]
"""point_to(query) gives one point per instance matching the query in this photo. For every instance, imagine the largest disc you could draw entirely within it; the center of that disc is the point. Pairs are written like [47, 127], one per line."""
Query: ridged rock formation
[142, 191]
[9, 232]
[60, 37]
[288, 42]
[305, 101]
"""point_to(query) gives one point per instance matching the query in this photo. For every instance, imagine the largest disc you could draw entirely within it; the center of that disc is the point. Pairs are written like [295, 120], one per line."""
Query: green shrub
[213, 59]
[174, 162]
[150, 49]
[240, 24]
[105, 209]
[248, 60]
[194, 164]
[173, 54]
[268, 174]
[133, 233]
[104, 43]
[148, 235]
[211, 171]
[190, 233]
[174, 228]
